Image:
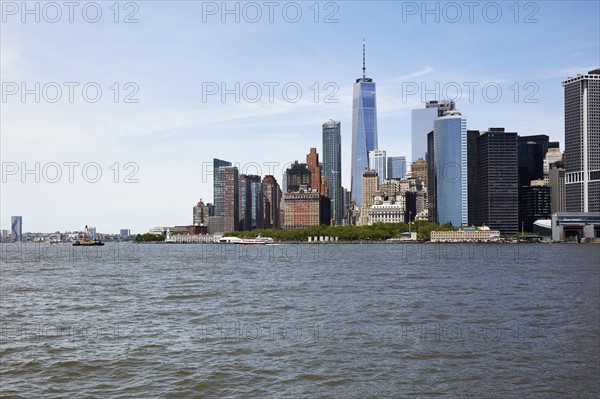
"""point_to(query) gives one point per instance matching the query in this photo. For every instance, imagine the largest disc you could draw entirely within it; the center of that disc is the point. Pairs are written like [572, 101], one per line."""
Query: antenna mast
[364, 67]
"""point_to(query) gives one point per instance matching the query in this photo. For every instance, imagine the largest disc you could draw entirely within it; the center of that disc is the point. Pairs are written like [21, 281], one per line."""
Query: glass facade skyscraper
[450, 147]
[422, 123]
[378, 163]
[396, 168]
[364, 131]
[219, 185]
[251, 202]
[332, 167]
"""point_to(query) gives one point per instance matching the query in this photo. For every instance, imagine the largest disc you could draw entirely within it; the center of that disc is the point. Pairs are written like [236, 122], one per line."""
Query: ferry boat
[256, 241]
[86, 240]
[246, 241]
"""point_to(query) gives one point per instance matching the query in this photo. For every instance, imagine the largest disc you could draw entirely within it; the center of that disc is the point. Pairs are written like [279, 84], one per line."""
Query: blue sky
[175, 50]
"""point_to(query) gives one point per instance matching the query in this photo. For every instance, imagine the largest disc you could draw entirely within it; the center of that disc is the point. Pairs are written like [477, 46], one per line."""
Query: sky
[111, 113]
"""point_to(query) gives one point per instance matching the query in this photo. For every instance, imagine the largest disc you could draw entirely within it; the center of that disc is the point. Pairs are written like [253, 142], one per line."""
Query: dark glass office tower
[251, 202]
[537, 202]
[582, 142]
[332, 167]
[219, 185]
[364, 130]
[231, 199]
[472, 176]
[497, 191]
[531, 152]
[431, 179]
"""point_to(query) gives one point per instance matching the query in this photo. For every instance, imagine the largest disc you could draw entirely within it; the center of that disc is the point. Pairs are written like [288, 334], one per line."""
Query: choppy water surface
[335, 321]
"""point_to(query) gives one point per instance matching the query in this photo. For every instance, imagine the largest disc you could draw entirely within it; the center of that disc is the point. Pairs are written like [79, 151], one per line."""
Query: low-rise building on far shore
[468, 234]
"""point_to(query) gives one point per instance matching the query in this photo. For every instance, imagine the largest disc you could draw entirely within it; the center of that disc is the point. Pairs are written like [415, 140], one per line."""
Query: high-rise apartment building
[231, 208]
[297, 175]
[273, 195]
[201, 213]
[332, 167]
[582, 142]
[312, 162]
[418, 170]
[306, 208]
[16, 228]
[431, 179]
[218, 185]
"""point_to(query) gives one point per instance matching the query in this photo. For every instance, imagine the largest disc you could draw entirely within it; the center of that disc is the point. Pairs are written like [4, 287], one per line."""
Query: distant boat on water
[246, 241]
[86, 241]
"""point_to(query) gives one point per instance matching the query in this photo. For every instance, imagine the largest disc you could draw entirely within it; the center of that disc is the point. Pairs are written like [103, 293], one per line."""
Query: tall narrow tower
[582, 140]
[332, 167]
[364, 129]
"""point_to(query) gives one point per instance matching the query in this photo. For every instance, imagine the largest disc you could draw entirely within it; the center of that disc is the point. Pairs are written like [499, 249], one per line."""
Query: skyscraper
[272, 193]
[202, 212]
[218, 185]
[497, 191]
[582, 142]
[251, 202]
[312, 162]
[418, 169]
[396, 167]
[556, 181]
[16, 228]
[531, 153]
[553, 155]
[473, 175]
[378, 163]
[364, 130]
[431, 179]
[537, 202]
[422, 123]
[298, 174]
[370, 185]
[231, 209]
[332, 167]
[450, 148]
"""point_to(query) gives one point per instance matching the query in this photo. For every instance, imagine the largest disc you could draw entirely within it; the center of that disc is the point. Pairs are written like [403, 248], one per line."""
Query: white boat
[257, 241]
[246, 241]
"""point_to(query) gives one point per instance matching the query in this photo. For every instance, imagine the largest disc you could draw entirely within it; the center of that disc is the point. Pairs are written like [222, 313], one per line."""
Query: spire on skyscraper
[364, 64]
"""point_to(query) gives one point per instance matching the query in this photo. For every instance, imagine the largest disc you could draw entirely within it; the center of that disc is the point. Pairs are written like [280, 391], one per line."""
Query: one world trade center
[364, 130]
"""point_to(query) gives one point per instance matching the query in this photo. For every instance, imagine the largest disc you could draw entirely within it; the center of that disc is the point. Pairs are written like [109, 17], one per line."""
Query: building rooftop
[578, 214]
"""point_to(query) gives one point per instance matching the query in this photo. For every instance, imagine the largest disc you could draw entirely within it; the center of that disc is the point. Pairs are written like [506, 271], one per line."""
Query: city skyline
[170, 133]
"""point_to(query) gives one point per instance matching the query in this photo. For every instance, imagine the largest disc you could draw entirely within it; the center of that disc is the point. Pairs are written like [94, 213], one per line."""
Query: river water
[314, 321]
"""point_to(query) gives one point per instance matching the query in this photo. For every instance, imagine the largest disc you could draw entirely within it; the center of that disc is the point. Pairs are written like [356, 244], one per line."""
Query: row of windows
[577, 177]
